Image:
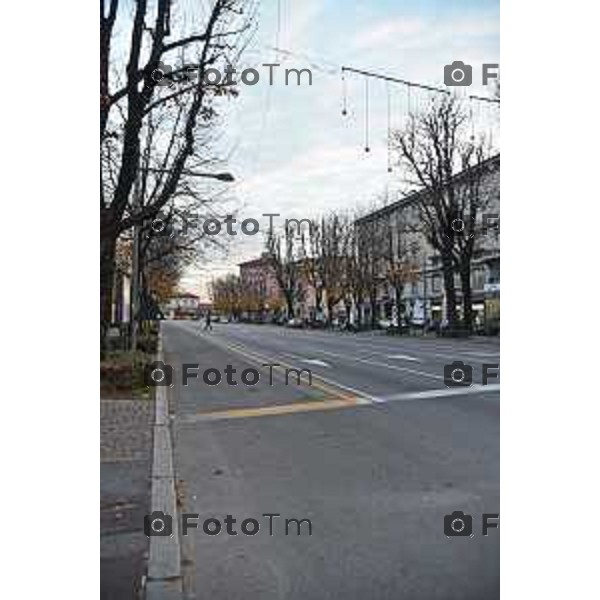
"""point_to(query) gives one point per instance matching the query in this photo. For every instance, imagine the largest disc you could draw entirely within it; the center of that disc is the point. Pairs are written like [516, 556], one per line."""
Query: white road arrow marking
[315, 361]
[404, 357]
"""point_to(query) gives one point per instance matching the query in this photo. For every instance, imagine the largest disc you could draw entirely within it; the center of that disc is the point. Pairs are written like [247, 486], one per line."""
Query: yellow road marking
[341, 398]
[317, 382]
[278, 409]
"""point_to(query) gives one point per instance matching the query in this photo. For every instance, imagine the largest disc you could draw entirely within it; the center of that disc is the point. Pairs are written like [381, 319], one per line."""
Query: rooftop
[412, 196]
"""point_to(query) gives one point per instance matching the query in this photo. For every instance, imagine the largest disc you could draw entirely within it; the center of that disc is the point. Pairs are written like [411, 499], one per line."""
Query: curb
[164, 562]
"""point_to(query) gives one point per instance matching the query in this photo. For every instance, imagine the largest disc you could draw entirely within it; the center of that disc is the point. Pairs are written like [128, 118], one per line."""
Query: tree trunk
[318, 302]
[398, 289]
[329, 312]
[465, 283]
[361, 310]
[290, 305]
[348, 306]
[108, 245]
[450, 290]
[373, 303]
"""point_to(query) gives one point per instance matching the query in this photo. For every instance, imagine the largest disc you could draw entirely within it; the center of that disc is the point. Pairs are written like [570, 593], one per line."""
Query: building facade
[260, 290]
[182, 306]
[396, 233]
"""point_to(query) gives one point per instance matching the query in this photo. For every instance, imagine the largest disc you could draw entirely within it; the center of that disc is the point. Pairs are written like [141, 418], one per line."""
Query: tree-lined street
[329, 372]
[375, 454]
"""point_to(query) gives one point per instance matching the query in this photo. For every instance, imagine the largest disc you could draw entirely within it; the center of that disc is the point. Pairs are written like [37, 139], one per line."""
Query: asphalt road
[374, 453]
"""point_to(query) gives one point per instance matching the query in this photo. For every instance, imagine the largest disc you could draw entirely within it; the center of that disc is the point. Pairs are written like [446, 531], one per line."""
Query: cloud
[418, 33]
[383, 31]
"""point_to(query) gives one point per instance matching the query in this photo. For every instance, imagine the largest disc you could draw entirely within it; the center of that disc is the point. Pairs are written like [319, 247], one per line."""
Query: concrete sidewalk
[125, 469]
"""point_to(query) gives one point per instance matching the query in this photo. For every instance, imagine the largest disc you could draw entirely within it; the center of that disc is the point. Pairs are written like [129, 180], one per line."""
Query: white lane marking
[362, 397]
[428, 349]
[315, 361]
[380, 364]
[458, 391]
[404, 357]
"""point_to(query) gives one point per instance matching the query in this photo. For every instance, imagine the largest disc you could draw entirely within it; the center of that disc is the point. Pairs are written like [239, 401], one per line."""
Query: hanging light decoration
[389, 128]
[344, 94]
[472, 119]
[367, 148]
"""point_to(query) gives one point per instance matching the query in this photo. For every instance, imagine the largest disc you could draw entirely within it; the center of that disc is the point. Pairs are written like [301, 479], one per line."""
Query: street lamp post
[225, 177]
[137, 229]
[424, 289]
[135, 268]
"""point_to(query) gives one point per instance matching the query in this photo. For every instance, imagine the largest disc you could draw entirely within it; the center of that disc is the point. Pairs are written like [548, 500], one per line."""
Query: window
[478, 278]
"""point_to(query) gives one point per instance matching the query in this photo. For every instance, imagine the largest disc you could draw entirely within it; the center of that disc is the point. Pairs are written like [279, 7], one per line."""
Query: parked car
[386, 323]
[295, 323]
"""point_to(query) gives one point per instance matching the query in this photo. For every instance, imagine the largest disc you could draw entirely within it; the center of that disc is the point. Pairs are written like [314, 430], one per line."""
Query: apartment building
[396, 232]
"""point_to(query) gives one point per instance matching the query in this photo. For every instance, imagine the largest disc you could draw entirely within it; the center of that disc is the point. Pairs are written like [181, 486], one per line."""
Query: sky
[290, 149]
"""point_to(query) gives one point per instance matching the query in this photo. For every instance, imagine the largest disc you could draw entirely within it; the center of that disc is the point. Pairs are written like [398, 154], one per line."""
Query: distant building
[261, 290]
[259, 285]
[204, 308]
[182, 306]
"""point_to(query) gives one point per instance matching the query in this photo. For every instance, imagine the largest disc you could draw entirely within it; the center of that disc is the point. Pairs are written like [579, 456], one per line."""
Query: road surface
[374, 454]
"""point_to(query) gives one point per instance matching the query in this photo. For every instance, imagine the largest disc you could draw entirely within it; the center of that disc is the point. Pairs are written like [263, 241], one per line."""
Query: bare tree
[473, 197]
[400, 255]
[352, 282]
[433, 148]
[161, 131]
[312, 244]
[335, 231]
[371, 249]
[228, 295]
[324, 260]
[284, 252]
